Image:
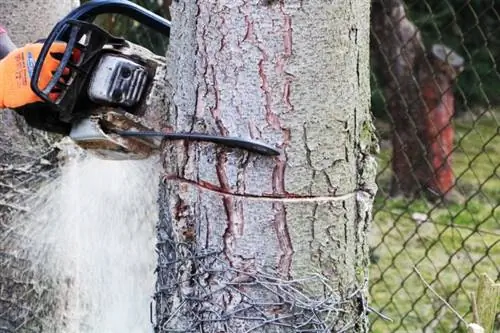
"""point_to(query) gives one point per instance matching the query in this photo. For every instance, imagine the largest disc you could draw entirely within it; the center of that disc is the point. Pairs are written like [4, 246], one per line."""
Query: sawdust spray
[94, 230]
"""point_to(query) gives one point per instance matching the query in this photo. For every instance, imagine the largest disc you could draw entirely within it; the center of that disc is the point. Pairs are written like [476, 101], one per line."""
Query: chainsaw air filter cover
[117, 81]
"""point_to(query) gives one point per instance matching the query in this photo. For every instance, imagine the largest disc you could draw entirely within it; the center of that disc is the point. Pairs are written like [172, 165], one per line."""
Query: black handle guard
[89, 40]
[71, 30]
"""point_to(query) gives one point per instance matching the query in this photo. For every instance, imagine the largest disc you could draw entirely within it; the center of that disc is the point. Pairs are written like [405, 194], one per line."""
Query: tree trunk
[27, 157]
[251, 242]
[418, 92]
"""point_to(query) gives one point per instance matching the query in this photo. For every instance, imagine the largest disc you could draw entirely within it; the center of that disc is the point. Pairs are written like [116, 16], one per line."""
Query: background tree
[27, 157]
[254, 242]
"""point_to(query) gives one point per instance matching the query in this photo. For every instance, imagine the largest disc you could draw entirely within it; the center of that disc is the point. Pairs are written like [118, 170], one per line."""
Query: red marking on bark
[215, 110]
[181, 213]
[280, 223]
[227, 201]
[284, 241]
[249, 34]
[280, 65]
[287, 46]
[221, 172]
[271, 118]
[199, 183]
[228, 235]
[2, 29]
[287, 36]
[224, 192]
[281, 61]
[286, 94]
[180, 209]
[234, 217]
[279, 176]
[223, 39]
[200, 103]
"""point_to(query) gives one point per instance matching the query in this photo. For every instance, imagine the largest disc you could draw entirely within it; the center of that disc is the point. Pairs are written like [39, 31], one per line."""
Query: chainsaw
[105, 99]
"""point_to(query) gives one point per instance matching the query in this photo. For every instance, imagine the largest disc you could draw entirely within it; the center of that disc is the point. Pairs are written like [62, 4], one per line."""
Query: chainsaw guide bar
[106, 94]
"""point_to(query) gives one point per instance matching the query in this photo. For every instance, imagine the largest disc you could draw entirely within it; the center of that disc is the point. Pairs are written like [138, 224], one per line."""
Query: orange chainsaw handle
[44, 120]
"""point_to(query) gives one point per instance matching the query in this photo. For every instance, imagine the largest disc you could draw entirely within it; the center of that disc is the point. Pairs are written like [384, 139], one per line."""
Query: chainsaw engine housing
[117, 80]
[115, 99]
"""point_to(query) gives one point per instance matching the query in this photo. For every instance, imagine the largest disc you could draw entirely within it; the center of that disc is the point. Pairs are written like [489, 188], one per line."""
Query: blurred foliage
[470, 28]
[122, 26]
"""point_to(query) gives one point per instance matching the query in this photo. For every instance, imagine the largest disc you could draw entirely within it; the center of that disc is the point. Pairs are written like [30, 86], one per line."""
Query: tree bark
[249, 242]
[27, 157]
[418, 92]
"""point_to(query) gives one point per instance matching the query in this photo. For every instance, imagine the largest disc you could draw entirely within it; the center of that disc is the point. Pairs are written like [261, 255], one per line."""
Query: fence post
[436, 83]
[417, 88]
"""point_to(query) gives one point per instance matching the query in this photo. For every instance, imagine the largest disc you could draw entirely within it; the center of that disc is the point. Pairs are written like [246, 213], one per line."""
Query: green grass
[451, 249]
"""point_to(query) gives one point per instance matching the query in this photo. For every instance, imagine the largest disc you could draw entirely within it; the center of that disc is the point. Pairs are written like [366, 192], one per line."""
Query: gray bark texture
[27, 157]
[267, 244]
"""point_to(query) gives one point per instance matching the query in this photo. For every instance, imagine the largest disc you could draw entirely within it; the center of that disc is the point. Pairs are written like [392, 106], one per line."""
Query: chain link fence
[436, 90]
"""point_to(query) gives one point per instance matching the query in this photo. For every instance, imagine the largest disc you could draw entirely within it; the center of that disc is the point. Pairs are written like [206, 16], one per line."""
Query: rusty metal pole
[439, 108]
[419, 99]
